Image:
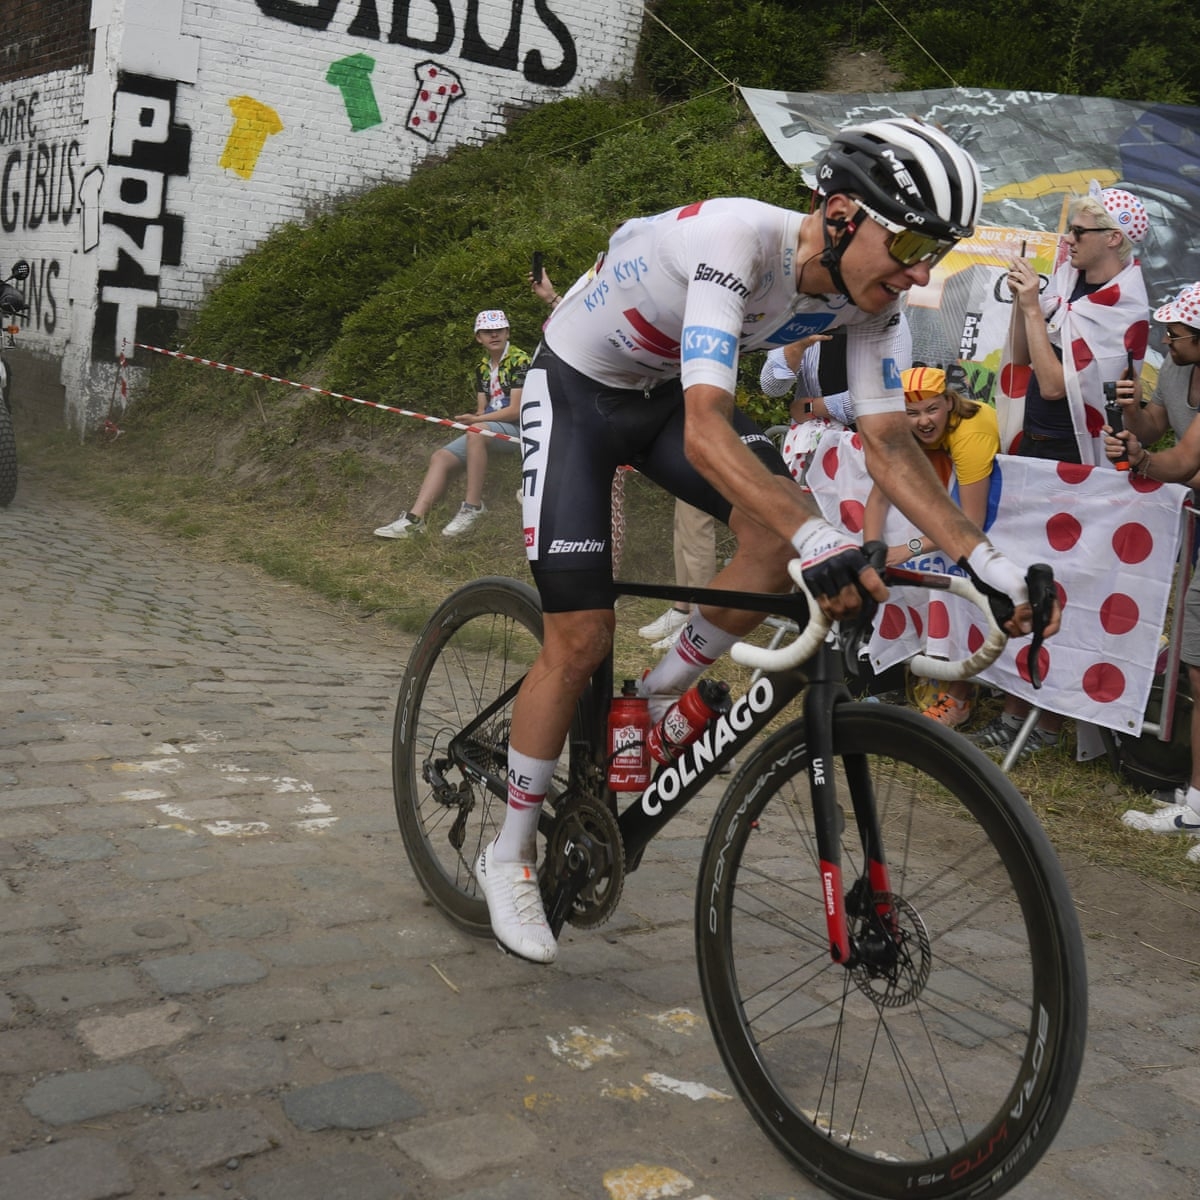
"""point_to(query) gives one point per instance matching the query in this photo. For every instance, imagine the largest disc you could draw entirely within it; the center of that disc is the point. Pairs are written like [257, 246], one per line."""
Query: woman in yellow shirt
[961, 438]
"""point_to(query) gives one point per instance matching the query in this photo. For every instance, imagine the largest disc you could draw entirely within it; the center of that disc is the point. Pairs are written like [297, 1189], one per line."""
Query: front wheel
[8, 457]
[943, 1064]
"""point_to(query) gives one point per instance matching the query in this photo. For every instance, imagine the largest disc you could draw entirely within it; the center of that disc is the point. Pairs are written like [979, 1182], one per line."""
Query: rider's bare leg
[760, 565]
[573, 646]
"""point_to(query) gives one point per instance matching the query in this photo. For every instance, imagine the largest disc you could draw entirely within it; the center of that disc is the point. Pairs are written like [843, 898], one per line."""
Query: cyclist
[638, 366]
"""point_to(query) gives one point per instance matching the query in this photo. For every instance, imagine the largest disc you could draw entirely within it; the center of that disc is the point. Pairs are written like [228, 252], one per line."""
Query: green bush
[376, 296]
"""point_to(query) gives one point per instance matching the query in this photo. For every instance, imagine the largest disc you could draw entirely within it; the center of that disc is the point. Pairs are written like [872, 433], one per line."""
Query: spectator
[961, 439]
[814, 371]
[694, 536]
[1176, 398]
[1096, 304]
[1179, 385]
[499, 378]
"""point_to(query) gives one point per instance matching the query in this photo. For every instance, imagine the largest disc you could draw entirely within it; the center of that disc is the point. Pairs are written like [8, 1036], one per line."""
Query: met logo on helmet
[900, 173]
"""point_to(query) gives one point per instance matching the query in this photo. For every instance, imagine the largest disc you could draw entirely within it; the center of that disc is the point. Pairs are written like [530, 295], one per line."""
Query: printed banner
[1035, 150]
[1112, 539]
[963, 314]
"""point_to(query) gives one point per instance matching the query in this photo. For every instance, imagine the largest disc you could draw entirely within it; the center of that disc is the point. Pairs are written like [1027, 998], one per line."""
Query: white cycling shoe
[514, 903]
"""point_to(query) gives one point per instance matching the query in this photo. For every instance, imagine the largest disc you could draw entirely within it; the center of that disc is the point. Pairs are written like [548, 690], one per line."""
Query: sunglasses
[1077, 231]
[909, 247]
[1179, 337]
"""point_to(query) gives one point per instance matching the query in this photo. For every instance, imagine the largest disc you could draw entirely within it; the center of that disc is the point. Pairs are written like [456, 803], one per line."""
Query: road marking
[681, 1087]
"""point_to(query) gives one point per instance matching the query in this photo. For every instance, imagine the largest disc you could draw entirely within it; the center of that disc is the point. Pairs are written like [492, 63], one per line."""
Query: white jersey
[681, 294]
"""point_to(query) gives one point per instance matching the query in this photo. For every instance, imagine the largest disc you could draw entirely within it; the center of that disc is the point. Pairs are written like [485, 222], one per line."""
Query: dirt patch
[853, 71]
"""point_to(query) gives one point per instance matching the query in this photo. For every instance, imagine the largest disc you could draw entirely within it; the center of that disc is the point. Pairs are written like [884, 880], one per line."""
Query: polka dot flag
[1112, 538]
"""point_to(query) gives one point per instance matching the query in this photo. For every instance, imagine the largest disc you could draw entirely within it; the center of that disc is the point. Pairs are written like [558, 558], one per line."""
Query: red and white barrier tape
[304, 387]
[618, 492]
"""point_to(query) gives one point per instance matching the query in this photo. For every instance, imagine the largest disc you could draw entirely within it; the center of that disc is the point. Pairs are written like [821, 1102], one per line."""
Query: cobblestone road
[218, 979]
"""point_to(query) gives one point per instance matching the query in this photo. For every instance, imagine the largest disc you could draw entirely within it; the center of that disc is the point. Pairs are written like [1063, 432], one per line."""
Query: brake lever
[1042, 594]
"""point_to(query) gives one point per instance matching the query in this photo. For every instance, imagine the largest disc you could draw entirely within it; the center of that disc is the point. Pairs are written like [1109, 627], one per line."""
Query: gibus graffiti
[442, 36]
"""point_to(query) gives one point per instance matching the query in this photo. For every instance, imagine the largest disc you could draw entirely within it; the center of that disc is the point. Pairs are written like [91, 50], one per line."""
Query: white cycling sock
[700, 645]
[1193, 798]
[528, 783]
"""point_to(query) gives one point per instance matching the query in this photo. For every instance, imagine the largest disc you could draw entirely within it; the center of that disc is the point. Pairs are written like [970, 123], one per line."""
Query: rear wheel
[450, 741]
[943, 1062]
[8, 457]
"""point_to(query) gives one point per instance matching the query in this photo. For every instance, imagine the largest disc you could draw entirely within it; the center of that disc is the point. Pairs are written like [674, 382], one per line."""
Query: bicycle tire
[8, 457]
[477, 646]
[953, 1086]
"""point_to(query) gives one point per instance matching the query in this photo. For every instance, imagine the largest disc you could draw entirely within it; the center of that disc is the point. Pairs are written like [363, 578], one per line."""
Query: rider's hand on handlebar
[1008, 591]
[835, 570]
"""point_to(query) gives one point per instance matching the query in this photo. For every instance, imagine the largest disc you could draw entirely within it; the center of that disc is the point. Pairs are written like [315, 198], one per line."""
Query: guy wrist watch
[916, 546]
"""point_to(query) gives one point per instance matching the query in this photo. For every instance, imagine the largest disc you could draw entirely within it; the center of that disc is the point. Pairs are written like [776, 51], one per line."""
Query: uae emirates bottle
[628, 730]
[687, 719]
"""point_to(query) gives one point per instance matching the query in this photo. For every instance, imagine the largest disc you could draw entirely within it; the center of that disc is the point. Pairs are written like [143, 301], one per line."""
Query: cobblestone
[218, 977]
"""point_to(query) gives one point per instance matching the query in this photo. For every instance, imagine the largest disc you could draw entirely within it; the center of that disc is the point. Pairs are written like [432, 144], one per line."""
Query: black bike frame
[676, 784]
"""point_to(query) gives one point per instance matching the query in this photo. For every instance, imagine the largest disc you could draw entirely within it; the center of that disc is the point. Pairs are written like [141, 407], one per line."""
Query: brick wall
[44, 35]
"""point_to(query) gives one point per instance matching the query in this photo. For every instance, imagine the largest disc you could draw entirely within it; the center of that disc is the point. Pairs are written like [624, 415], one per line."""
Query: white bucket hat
[491, 318]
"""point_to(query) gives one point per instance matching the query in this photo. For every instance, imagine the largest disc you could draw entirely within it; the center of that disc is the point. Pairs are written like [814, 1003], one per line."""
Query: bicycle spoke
[451, 742]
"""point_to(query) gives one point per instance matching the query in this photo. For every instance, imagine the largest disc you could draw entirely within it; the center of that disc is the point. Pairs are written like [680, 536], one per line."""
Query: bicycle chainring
[893, 952]
[587, 827]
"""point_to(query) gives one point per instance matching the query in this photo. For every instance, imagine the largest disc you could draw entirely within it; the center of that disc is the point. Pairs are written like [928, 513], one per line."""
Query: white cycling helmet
[908, 173]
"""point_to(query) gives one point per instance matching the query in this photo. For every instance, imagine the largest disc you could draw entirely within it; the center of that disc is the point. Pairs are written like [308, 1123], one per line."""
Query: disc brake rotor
[895, 953]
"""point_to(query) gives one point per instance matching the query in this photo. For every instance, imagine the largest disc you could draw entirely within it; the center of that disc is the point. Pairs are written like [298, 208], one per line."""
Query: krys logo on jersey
[717, 345]
[802, 325]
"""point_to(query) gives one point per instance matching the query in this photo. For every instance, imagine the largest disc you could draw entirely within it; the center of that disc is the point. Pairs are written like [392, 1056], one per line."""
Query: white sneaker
[1175, 818]
[1165, 799]
[467, 516]
[515, 906]
[672, 621]
[1193, 855]
[403, 526]
[664, 644]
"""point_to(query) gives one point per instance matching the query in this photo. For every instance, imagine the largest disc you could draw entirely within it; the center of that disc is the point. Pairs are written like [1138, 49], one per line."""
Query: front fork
[828, 819]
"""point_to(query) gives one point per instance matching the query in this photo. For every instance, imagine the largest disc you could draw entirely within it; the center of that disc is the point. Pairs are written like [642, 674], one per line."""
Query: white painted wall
[202, 126]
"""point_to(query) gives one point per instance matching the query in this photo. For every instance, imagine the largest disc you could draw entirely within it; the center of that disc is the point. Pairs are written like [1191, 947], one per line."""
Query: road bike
[888, 952]
[12, 304]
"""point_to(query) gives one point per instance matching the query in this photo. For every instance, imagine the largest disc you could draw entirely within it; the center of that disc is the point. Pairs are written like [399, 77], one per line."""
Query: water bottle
[687, 719]
[628, 733]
